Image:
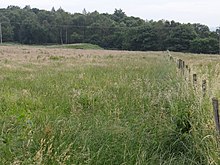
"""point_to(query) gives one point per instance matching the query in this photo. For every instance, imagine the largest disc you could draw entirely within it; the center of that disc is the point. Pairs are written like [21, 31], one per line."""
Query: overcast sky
[194, 11]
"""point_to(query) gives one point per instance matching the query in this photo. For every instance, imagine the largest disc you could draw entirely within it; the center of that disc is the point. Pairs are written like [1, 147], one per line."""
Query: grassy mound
[79, 46]
[85, 46]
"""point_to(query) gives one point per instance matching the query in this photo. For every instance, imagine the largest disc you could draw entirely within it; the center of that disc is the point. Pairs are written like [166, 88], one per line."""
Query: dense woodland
[111, 31]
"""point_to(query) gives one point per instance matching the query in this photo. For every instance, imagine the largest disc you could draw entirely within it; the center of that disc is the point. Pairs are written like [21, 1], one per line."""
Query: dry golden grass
[17, 57]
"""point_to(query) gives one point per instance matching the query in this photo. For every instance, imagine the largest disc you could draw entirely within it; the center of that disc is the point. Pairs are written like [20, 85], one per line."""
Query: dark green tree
[179, 37]
[7, 29]
[111, 31]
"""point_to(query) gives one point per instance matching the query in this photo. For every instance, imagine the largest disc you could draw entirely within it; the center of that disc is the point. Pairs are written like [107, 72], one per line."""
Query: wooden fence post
[183, 64]
[194, 79]
[216, 114]
[204, 86]
[183, 67]
[179, 63]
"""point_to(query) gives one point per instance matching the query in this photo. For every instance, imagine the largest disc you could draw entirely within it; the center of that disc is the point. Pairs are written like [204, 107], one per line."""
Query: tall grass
[128, 111]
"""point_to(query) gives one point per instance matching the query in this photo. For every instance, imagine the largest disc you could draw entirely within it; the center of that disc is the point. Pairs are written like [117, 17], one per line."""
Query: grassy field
[64, 106]
[85, 46]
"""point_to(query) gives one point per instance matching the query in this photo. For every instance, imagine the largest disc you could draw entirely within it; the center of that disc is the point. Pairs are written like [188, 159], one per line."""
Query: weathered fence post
[216, 114]
[204, 86]
[183, 64]
[183, 67]
[179, 63]
[194, 79]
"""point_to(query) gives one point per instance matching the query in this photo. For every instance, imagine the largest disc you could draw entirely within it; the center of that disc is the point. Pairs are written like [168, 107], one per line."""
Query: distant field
[78, 46]
[73, 106]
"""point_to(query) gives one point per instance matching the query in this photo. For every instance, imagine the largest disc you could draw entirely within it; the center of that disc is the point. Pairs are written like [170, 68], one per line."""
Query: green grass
[84, 46]
[132, 110]
[79, 46]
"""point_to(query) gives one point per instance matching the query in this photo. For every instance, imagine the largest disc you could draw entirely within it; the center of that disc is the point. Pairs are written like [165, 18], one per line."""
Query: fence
[185, 70]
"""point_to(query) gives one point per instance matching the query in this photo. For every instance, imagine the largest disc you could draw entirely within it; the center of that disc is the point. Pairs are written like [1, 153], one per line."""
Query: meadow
[73, 106]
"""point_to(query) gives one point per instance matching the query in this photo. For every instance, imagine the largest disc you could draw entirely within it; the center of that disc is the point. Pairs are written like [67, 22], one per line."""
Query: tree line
[111, 31]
